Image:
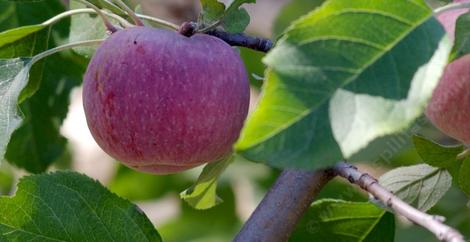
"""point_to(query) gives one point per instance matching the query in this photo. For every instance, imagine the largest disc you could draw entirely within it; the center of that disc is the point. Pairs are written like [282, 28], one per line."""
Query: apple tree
[345, 87]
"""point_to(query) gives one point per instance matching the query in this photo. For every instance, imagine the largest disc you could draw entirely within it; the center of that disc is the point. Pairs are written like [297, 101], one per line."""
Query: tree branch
[288, 199]
[432, 223]
[243, 40]
[240, 39]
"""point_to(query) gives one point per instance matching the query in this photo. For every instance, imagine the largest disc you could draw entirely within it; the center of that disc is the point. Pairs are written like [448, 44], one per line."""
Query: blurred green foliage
[137, 186]
[217, 224]
[292, 11]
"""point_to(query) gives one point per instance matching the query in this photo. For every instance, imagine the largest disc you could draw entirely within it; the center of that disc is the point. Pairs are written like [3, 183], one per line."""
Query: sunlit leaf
[14, 74]
[202, 195]
[337, 82]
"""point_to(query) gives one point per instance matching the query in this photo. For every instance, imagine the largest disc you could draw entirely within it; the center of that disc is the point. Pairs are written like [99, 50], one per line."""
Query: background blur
[244, 183]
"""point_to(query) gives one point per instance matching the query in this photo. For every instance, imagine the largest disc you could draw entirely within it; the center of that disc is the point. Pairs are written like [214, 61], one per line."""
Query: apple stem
[210, 27]
[158, 21]
[109, 26]
[130, 12]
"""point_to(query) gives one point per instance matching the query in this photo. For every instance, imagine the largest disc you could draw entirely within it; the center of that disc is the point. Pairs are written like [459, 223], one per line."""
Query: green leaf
[86, 27]
[462, 37]
[38, 142]
[14, 74]
[421, 186]
[464, 176]
[337, 82]
[202, 195]
[33, 156]
[109, 5]
[236, 21]
[212, 10]
[254, 65]
[26, 41]
[7, 179]
[15, 14]
[66, 206]
[292, 11]
[435, 154]
[12, 35]
[99, 3]
[235, 4]
[336, 220]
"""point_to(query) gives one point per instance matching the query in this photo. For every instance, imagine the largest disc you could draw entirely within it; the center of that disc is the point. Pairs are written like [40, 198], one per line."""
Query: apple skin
[449, 108]
[163, 103]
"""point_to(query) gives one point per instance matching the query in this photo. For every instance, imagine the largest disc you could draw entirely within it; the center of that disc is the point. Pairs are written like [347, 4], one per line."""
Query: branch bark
[288, 199]
[243, 40]
[240, 39]
[368, 183]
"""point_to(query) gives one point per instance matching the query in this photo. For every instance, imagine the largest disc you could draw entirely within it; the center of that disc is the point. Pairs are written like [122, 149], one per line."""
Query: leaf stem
[368, 183]
[464, 154]
[130, 12]
[66, 14]
[52, 51]
[449, 7]
[69, 13]
[111, 28]
[210, 27]
[158, 21]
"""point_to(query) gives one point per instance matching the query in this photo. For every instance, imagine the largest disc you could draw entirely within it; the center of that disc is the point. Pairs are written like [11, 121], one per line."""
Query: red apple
[161, 102]
[449, 109]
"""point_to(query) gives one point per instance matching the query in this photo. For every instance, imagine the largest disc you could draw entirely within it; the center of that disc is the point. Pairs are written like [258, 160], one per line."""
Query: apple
[449, 108]
[161, 102]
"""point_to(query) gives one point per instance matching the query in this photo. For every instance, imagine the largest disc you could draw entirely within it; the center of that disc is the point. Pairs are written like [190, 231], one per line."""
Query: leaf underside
[421, 186]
